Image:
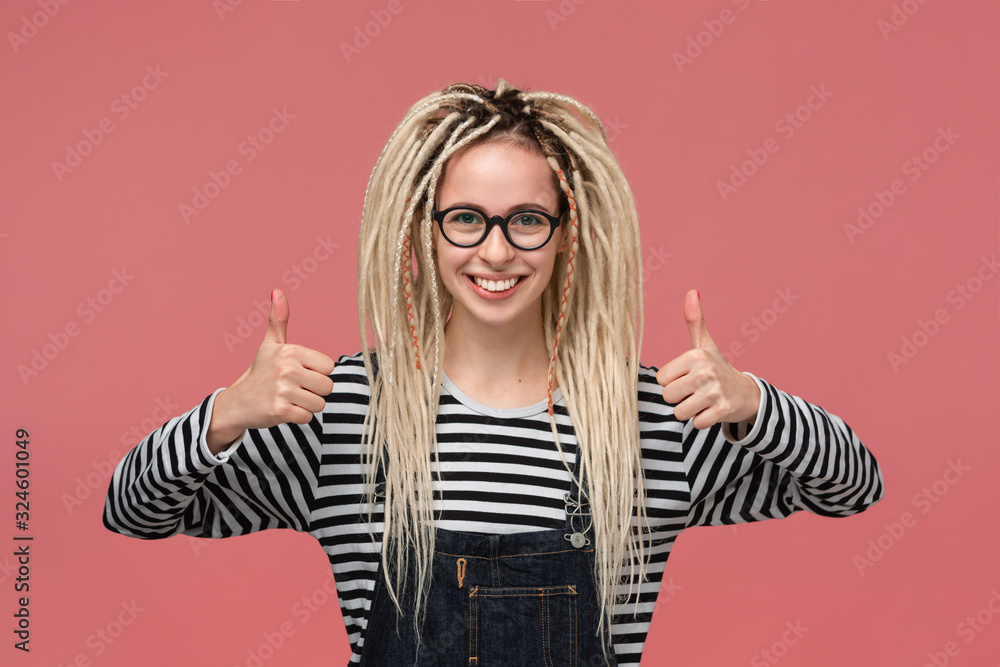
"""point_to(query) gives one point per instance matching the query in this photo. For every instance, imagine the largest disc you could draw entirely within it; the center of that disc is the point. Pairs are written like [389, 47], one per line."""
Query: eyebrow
[516, 207]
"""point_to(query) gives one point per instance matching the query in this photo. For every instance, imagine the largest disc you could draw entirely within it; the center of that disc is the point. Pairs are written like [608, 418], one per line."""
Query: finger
[315, 361]
[671, 370]
[316, 383]
[697, 329]
[693, 407]
[296, 380]
[297, 415]
[678, 390]
[705, 419]
[307, 400]
[277, 319]
[676, 368]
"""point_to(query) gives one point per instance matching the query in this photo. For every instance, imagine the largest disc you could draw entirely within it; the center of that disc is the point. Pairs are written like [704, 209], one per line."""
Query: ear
[564, 238]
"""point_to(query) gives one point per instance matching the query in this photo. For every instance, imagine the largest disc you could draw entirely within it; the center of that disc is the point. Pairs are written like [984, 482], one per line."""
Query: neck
[496, 359]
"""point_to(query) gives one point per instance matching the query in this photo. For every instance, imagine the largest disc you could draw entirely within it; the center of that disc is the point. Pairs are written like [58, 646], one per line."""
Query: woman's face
[497, 179]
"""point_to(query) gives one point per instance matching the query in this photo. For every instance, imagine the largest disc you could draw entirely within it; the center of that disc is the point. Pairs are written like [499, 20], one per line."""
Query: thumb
[277, 319]
[696, 321]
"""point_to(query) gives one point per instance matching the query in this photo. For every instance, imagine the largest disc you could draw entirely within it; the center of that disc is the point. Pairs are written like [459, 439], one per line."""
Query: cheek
[446, 261]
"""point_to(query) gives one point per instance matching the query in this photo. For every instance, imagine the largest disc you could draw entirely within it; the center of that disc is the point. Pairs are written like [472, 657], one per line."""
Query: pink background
[677, 131]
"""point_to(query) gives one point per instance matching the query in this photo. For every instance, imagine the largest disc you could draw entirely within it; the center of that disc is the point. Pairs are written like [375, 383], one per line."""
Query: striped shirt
[500, 472]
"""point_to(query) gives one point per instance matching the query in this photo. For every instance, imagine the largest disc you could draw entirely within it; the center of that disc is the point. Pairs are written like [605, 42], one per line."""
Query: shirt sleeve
[170, 483]
[796, 456]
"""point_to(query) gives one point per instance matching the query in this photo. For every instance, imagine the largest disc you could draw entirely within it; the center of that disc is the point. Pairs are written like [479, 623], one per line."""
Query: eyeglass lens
[466, 227]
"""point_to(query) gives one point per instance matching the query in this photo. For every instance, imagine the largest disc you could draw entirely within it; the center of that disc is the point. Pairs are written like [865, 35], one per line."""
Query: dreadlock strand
[589, 329]
[403, 255]
[620, 492]
[569, 102]
[418, 512]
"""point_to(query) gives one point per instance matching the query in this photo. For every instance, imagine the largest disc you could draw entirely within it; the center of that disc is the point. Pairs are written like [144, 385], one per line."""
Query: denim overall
[497, 601]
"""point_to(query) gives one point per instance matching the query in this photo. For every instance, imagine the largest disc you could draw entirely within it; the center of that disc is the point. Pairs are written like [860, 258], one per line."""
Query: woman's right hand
[286, 383]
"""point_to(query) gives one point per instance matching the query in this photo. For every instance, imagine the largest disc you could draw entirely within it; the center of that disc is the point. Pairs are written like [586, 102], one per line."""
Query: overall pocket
[530, 625]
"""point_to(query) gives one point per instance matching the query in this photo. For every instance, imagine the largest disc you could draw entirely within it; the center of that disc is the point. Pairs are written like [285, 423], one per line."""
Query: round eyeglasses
[465, 227]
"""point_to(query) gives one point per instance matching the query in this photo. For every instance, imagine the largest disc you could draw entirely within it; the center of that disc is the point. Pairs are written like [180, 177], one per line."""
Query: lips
[480, 286]
[496, 285]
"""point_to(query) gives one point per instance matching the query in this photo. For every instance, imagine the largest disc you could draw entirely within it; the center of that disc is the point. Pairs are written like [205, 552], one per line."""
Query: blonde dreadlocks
[591, 309]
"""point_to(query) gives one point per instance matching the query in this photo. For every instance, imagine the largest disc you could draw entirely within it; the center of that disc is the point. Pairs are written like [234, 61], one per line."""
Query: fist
[285, 383]
[702, 383]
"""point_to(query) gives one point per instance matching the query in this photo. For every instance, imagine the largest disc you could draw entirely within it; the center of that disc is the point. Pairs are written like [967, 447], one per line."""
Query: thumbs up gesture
[285, 383]
[702, 383]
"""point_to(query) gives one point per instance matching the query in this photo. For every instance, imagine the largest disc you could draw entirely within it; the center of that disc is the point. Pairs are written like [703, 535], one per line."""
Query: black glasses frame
[497, 220]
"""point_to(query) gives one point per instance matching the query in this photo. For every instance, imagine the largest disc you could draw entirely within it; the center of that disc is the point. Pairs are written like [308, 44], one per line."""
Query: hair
[591, 310]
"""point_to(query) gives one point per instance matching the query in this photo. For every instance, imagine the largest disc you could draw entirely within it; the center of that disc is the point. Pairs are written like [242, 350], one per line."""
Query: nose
[495, 249]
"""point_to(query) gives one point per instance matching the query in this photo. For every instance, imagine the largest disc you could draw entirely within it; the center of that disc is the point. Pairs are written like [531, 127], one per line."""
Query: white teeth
[495, 286]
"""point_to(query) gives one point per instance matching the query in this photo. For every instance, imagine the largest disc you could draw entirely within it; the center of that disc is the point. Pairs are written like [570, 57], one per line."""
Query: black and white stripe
[500, 474]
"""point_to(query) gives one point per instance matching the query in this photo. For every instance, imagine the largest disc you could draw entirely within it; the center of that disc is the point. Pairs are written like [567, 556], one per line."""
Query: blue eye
[527, 220]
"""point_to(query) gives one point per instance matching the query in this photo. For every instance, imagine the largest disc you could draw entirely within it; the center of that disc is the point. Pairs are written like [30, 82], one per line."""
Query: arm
[171, 482]
[795, 456]
[255, 467]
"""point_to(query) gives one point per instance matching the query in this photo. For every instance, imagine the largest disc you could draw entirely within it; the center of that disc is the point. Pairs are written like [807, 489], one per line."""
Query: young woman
[498, 480]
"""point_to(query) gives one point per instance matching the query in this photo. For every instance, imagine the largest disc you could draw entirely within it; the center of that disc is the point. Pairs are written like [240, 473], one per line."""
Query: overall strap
[578, 522]
[380, 473]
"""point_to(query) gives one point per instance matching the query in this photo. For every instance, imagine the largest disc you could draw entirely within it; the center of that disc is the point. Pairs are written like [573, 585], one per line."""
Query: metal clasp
[577, 508]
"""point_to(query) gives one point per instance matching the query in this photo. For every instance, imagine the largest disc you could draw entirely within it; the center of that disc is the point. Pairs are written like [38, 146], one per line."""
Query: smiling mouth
[496, 285]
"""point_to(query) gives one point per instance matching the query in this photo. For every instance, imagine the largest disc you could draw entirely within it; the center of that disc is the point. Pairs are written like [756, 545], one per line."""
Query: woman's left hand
[702, 383]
